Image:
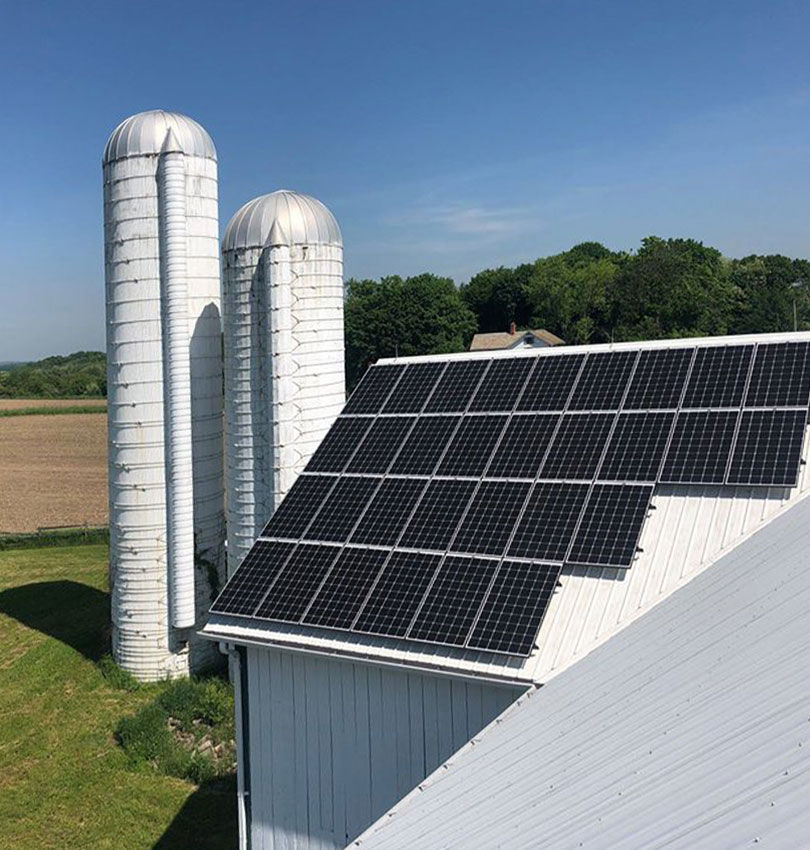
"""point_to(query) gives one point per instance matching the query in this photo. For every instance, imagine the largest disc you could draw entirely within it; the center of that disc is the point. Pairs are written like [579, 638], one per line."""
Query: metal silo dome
[144, 134]
[304, 220]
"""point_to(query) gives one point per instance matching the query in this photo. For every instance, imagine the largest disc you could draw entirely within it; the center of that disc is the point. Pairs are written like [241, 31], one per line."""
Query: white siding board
[335, 744]
[688, 729]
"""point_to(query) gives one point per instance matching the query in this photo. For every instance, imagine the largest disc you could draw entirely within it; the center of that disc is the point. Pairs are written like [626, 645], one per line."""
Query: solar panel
[248, 585]
[436, 470]
[425, 445]
[611, 525]
[701, 443]
[411, 393]
[768, 448]
[342, 508]
[301, 577]
[437, 515]
[523, 446]
[636, 447]
[472, 446]
[781, 376]
[515, 606]
[492, 514]
[603, 381]
[548, 523]
[380, 444]
[295, 512]
[659, 379]
[339, 599]
[337, 446]
[451, 604]
[577, 446]
[392, 603]
[373, 389]
[718, 376]
[501, 385]
[388, 512]
[550, 383]
[456, 386]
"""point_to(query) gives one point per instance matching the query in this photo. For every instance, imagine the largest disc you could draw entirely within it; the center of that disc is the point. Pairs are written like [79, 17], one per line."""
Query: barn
[492, 552]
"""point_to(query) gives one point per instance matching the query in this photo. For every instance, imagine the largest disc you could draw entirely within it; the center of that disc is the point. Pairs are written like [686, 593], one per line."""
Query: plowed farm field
[53, 470]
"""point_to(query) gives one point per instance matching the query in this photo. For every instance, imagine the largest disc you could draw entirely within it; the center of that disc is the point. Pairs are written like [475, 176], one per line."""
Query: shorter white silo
[284, 351]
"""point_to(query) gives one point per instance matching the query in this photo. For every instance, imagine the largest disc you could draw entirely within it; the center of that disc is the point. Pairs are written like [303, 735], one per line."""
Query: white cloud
[468, 220]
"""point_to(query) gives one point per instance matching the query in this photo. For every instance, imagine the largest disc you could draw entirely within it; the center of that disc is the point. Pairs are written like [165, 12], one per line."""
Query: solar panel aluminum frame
[571, 562]
[635, 411]
[366, 375]
[611, 431]
[753, 410]
[557, 569]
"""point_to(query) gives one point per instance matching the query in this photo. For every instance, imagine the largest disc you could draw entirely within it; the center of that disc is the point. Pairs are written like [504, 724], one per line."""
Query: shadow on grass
[207, 820]
[74, 613]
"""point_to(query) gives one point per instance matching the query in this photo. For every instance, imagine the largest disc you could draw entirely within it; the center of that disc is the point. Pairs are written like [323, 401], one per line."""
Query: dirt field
[22, 403]
[53, 470]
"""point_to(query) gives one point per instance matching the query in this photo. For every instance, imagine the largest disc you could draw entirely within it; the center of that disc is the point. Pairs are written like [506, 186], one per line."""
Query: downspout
[237, 662]
[177, 382]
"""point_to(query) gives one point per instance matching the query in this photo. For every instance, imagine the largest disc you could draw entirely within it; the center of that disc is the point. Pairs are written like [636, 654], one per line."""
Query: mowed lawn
[64, 782]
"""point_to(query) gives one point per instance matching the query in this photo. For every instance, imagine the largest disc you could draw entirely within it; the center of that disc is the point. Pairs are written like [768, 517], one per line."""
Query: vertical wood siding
[334, 744]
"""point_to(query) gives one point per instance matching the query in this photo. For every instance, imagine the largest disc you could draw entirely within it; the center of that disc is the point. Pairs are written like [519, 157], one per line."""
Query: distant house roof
[684, 730]
[514, 339]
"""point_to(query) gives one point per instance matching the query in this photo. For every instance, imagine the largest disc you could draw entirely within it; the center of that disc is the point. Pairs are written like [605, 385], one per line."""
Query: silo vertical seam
[281, 369]
[180, 486]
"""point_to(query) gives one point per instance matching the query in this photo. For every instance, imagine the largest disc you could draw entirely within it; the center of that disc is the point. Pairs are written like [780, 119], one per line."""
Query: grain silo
[164, 390]
[284, 360]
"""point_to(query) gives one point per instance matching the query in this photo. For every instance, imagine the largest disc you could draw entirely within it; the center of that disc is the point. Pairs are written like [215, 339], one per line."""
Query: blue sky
[445, 136]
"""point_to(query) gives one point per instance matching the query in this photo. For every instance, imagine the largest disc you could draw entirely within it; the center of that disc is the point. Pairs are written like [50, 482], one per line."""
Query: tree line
[79, 375]
[589, 294]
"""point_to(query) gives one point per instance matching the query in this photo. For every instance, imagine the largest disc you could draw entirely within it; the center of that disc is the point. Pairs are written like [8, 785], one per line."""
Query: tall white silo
[164, 390]
[284, 361]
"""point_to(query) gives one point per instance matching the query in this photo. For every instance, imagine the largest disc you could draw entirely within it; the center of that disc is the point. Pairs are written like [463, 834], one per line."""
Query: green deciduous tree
[499, 297]
[79, 375]
[774, 293]
[570, 293]
[424, 314]
[670, 288]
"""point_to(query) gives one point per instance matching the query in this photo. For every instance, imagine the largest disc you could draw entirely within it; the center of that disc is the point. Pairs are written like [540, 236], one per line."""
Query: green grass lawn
[53, 411]
[64, 781]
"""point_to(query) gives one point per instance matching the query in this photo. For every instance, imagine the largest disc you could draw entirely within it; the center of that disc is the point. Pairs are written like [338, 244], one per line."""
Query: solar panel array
[447, 498]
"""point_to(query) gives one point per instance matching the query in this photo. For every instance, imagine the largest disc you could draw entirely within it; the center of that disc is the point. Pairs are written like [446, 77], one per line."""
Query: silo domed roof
[145, 133]
[301, 219]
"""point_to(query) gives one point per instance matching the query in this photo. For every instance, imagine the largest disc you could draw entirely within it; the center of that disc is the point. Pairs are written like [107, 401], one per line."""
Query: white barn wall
[334, 744]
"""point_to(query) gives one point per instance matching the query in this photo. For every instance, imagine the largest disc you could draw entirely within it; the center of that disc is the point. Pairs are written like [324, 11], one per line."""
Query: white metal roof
[145, 133]
[292, 218]
[688, 530]
[690, 729]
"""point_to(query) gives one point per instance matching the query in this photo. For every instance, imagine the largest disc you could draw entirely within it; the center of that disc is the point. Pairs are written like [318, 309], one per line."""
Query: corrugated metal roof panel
[687, 730]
